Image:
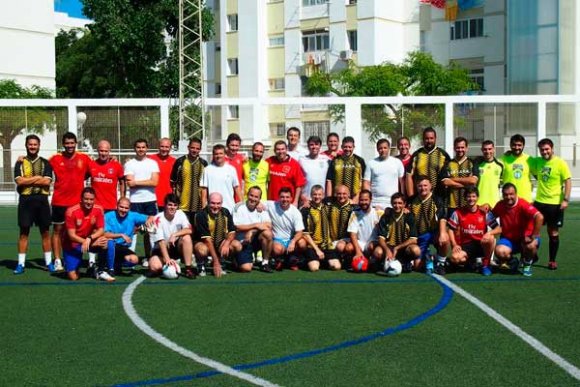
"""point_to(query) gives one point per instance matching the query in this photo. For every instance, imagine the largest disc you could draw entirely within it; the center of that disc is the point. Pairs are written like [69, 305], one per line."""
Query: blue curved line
[443, 302]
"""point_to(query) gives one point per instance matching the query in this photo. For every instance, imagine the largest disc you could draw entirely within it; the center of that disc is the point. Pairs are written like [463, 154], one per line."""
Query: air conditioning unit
[346, 55]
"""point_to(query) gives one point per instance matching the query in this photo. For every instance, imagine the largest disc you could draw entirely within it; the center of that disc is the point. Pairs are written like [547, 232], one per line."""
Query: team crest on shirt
[80, 163]
[518, 170]
[546, 171]
[110, 171]
[79, 222]
[93, 220]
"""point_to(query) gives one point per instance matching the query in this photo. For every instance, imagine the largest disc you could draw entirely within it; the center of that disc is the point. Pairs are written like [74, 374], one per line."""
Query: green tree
[13, 121]
[129, 51]
[418, 75]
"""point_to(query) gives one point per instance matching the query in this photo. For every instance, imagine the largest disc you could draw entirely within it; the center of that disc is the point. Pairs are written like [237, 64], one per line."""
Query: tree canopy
[418, 75]
[129, 51]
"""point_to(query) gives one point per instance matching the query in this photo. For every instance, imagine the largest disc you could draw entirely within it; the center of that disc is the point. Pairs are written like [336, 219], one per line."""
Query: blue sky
[72, 7]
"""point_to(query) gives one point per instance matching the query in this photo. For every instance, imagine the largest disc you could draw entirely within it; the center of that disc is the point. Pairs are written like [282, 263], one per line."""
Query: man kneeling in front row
[172, 239]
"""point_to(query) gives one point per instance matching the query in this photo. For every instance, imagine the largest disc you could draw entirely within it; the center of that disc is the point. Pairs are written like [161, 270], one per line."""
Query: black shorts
[172, 250]
[145, 208]
[473, 250]
[121, 251]
[191, 217]
[58, 214]
[34, 209]
[553, 214]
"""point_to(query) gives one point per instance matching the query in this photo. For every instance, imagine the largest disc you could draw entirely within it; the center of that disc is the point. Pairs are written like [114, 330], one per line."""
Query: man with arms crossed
[33, 175]
[254, 232]
[551, 200]
[459, 173]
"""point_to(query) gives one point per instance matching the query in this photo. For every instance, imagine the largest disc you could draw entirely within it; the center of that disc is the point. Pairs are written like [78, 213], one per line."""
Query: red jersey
[329, 153]
[70, 174]
[237, 162]
[470, 226]
[105, 180]
[517, 221]
[164, 186]
[286, 173]
[84, 223]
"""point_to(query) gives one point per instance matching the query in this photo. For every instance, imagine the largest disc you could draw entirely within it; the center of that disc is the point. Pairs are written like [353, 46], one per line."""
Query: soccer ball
[360, 264]
[393, 268]
[171, 271]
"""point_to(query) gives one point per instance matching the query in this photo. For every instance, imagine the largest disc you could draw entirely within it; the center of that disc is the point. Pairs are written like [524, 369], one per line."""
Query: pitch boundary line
[516, 330]
[149, 331]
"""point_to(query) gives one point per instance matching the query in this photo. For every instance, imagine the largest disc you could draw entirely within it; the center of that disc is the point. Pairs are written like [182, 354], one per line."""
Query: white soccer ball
[393, 268]
[171, 271]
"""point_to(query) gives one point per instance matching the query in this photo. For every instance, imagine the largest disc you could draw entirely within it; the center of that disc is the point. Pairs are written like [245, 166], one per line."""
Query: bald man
[165, 163]
[218, 243]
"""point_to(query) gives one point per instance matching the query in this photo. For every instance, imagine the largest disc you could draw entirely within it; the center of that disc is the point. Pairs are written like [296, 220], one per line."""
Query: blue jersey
[117, 225]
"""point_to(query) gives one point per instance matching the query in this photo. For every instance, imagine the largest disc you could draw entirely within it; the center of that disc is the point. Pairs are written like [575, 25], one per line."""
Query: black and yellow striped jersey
[185, 177]
[316, 224]
[29, 168]
[428, 212]
[431, 164]
[397, 228]
[217, 227]
[338, 216]
[456, 168]
[348, 171]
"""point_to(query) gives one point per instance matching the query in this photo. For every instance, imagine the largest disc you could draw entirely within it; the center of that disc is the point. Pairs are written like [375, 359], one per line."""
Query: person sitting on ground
[363, 227]
[254, 231]
[172, 239]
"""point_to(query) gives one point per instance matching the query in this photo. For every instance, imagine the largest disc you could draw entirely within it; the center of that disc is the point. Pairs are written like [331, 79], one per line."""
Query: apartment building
[268, 48]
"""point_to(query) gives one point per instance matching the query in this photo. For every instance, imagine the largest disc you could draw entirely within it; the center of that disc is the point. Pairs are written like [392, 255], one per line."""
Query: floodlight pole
[191, 69]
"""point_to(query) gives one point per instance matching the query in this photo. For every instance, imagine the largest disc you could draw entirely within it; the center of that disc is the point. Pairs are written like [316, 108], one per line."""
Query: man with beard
[516, 167]
[459, 173]
[471, 242]
[551, 200]
[185, 178]
[33, 175]
[362, 226]
[256, 171]
[429, 161]
[429, 212]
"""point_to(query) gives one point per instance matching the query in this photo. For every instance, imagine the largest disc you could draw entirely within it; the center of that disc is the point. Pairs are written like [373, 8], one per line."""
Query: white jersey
[285, 223]
[243, 216]
[141, 170]
[167, 227]
[298, 153]
[365, 225]
[384, 174]
[315, 172]
[223, 180]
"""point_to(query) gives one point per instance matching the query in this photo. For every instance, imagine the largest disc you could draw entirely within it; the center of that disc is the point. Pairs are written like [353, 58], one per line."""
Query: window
[278, 129]
[276, 40]
[307, 3]
[352, 39]
[276, 83]
[351, 2]
[233, 66]
[316, 128]
[218, 88]
[476, 76]
[232, 22]
[466, 29]
[218, 46]
[316, 40]
[234, 111]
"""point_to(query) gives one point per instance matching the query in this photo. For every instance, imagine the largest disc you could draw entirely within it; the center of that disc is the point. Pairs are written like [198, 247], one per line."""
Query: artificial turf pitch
[289, 328]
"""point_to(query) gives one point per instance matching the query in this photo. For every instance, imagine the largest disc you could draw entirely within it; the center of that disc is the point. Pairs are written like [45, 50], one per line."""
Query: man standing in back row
[516, 167]
[552, 174]
[347, 169]
[165, 163]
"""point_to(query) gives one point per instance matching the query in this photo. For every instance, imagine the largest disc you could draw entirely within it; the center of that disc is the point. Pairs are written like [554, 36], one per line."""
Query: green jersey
[516, 170]
[489, 181]
[551, 175]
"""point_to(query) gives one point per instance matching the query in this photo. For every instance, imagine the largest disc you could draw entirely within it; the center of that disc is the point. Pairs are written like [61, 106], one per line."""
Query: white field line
[143, 326]
[533, 342]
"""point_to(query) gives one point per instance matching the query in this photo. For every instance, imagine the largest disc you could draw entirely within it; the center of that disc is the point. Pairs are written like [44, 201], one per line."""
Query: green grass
[55, 333]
